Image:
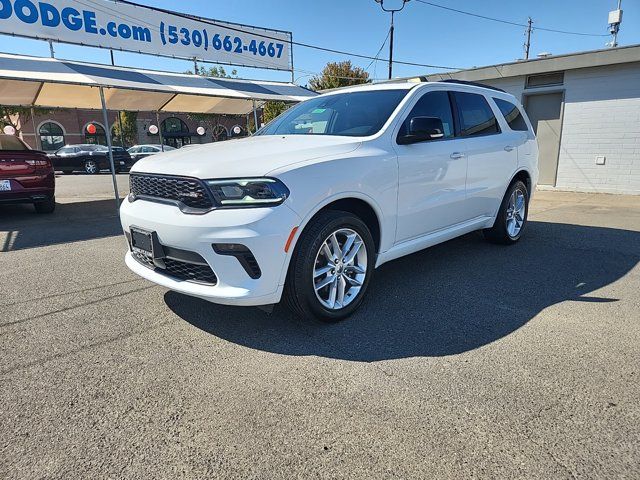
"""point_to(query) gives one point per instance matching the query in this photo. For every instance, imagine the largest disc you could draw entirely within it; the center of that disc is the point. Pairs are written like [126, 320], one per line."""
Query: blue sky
[424, 34]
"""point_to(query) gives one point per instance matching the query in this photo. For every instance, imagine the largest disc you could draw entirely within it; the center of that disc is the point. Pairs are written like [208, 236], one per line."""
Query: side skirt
[420, 243]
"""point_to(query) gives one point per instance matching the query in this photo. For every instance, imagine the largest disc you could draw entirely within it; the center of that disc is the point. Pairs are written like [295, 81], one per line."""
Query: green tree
[339, 74]
[129, 134]
[18, 116]
[271, 110]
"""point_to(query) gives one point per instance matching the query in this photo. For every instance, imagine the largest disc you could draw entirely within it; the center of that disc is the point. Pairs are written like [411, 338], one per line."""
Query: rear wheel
[512, 216]
[91, 167]
[331, 267]
[46, 206]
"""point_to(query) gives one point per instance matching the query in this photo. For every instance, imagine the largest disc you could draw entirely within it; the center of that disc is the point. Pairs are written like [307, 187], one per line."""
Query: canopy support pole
[35, 133]
[255, 115]
[160, 131]
[107, 132]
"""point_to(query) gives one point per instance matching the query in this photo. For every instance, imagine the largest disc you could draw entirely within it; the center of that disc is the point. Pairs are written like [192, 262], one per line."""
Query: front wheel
[331, 267]
[512, 216]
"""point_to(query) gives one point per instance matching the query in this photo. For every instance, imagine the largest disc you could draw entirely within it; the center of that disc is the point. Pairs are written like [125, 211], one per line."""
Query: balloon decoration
[153, 129]
[9, 130]
[200, 131]
[91, 129]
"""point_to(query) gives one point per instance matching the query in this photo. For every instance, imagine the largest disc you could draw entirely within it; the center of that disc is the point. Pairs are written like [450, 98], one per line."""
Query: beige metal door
[545, 113]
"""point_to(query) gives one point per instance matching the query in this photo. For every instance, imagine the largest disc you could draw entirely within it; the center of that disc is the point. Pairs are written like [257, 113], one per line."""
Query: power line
[509, 22]
[299, 44]
[379, 50]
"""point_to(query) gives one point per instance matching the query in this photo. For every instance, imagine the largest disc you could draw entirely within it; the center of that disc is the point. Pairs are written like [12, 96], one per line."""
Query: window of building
[432, 104]
[173, 126]
[545, 79]
[512, 115]
[51, 136]
[94, 134]
[476, 116]
[175, 132]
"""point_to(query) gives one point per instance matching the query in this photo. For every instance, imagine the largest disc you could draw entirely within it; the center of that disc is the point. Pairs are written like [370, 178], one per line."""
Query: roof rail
[475, 84]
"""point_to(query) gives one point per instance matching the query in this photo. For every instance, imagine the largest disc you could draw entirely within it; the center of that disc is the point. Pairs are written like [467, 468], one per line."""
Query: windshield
[352, 114]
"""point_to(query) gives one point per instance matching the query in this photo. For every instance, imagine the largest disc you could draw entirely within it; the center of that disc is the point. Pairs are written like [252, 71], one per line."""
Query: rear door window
[512, 115]
[432, 104]
[476, 116]
[10, 142]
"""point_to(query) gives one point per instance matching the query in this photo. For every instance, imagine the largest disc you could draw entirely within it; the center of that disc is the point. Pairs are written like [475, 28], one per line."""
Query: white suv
[334, 187]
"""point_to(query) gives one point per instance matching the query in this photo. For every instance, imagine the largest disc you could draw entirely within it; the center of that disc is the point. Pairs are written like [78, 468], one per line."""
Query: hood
[248, 157]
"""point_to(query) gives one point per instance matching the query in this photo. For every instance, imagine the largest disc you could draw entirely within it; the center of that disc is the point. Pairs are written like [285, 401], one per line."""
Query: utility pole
[195, 66]
[528, 44]
[615, 19]
[51, 51]
[391, 29]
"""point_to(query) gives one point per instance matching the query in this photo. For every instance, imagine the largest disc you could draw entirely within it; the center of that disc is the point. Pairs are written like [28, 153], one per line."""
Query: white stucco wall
[601, 117]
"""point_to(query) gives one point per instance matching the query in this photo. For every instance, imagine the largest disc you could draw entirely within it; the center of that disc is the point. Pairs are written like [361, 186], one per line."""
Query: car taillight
[38, 163]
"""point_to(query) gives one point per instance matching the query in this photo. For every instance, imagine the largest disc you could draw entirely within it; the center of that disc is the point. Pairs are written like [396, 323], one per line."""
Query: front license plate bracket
[146, 242]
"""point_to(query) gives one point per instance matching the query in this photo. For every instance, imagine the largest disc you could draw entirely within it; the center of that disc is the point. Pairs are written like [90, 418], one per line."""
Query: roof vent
[544, 54]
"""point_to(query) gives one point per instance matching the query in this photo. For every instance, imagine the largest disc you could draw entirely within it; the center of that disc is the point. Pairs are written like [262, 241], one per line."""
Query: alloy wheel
[90, 166]
[340, 269]
[515, 213]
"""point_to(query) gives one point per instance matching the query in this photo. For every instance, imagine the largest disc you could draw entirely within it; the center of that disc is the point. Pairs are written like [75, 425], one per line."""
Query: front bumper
[264, 231]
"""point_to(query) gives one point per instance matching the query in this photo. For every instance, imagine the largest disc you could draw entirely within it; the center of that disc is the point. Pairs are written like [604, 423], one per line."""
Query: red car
[26, 176]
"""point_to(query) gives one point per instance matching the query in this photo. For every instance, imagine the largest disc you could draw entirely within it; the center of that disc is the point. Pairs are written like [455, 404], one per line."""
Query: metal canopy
[54, 83]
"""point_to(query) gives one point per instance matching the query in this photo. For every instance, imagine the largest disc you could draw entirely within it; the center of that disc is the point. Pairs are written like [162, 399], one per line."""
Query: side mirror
[422, 129]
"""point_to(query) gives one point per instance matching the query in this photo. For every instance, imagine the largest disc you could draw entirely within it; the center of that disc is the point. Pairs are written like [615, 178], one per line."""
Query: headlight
[248, 192]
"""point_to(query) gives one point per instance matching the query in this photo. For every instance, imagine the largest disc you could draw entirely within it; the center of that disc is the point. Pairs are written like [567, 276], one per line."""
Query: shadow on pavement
[21, 227]
[445, 300]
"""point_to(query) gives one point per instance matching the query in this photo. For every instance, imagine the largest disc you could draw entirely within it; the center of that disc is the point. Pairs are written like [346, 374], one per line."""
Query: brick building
[69, 126]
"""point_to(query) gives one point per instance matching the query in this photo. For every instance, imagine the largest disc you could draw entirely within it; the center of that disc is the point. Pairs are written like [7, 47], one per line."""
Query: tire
[91, 167]
[508, 228]
[309, 258]
[46, 206]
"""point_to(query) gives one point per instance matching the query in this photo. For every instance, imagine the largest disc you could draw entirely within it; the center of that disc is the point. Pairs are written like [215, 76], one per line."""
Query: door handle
[508, 148]
[456, 155]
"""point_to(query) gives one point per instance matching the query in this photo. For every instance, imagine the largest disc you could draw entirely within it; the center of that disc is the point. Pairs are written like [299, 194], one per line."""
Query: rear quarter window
[512, 115]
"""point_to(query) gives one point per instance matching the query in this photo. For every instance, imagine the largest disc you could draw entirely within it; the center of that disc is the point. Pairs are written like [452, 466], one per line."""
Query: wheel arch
[523, 175]
[354, 202]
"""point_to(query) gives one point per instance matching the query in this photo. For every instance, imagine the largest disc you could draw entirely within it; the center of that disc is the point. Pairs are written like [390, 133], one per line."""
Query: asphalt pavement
[467, 360]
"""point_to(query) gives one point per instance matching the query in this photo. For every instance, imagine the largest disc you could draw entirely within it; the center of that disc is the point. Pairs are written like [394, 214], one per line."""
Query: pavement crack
[61, 294]
[60, 310]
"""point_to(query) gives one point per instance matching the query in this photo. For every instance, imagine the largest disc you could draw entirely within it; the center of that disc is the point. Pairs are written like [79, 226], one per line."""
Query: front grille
[187, 271]
[189, 191]
[190, 271]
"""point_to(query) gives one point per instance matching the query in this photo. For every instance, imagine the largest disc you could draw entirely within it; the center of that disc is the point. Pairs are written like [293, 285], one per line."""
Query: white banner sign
[122, 26]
